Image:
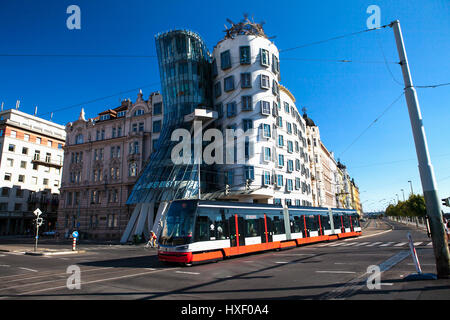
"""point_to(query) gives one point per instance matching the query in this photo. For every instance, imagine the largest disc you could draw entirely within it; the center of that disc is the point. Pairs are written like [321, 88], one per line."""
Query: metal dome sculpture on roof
[244, 27]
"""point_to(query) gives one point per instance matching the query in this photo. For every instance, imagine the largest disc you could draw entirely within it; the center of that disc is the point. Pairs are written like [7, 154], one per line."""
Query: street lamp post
[429, 186]
[403, 191]
[410, 183]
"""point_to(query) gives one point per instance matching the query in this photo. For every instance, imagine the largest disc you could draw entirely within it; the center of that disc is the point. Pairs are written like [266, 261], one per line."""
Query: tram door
[237, 231]
[307, 225]
[265, 225]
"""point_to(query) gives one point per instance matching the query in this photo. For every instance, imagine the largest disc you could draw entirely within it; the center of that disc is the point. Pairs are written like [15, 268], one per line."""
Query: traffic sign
[75, 234]
[37, 212]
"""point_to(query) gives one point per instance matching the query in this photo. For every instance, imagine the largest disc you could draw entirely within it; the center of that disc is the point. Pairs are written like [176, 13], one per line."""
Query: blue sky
[342, 98]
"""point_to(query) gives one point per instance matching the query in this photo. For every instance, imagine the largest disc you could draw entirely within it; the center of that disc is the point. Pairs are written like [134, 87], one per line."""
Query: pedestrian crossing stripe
[373, 244]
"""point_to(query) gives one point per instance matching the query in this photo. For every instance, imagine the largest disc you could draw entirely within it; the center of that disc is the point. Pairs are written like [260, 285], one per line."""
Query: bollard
[74, 244]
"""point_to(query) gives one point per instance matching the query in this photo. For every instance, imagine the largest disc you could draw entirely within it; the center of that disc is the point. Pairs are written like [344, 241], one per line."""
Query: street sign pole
[39, 220]
[426, 171]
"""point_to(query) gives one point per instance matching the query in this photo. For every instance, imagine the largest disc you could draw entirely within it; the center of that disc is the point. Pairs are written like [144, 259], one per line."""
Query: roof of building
[309, 121]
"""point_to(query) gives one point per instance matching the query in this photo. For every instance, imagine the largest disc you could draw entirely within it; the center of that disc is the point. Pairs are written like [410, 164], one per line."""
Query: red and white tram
[197, 231]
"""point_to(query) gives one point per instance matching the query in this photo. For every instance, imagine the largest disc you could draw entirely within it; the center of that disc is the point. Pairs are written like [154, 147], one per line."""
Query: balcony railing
[48, 161]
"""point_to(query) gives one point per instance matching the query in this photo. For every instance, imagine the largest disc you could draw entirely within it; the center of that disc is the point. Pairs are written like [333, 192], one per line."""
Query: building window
[23, 164]
[289, 127]
[121, 114]
[11, 148]
[141, 126]
[246, 80]
[297, 183]
[297, 164]
[38, 140]
[247, 124]
[228, 83]
[280, 181]
[45, 182]
[247, 103]
[21, 178]
[26, 137]
[267, 154]
[280, 160]
[249, 173]
[265, 108]
[290, 165]
[225, 60]
[156, 126]
[265, 84]
[133, 169]
[79, 139]
[10, 162]
[266, 178]
[290, 146]
[214, 68]
[286, 107]
[275, 89]
[231, 109]
[157, 109]
[244, 54]
[229, 177]
[13, 134]
[7, 176]
[265, 57]
[217, 89]
[275, 64]
[289, 186]
[266, 130]
[280, 141]
[139, 112]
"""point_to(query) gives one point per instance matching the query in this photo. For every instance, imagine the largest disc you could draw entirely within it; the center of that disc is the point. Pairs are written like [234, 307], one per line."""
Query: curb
[53, 253]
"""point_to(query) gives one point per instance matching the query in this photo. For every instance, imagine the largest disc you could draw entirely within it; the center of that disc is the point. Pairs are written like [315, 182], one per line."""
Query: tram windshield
[179, 223]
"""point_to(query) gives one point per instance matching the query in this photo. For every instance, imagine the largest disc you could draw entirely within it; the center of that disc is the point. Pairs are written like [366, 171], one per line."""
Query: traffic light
[227, 189]
[247, 184]
[446, 202]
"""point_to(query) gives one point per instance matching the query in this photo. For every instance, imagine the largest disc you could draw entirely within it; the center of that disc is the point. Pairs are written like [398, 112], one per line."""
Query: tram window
[278, 225]
[311, 223]
[220, 227]
[252, 228]
[346, 221]
[202, 228]
[298, 225]
[337, 222]
[355, 221]
[325, 222]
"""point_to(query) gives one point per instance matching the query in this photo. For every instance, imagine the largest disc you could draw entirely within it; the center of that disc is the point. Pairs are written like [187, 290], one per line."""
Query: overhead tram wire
[334, 38]
[371, 124]
[98, 99]
[76, 55]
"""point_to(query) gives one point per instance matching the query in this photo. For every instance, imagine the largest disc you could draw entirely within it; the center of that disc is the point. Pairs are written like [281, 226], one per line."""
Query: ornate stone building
[103, 158]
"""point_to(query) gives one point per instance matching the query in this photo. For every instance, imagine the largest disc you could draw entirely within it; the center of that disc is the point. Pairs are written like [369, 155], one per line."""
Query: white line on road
[281, 262]
[374, 244]
[4, 265]
[386, 244]
[417, 243]
[430, 244]
[187, 272]
[100, 280]
[32, 270]
[400, 244]
[361, 244]
[349, 244]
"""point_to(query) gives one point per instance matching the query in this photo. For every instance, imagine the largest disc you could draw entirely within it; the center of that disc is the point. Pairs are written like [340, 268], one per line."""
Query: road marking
[430, 244]
[28, 269]
[2, 255]
[281, 262]
[349, 244]
[335, 271]
[417, 243]
[187, 272]
[4, 265]
[400, 244]
[336, 244]
[374, 244]
[362, 243]
[386, 244]
[375, 234]
[50, 274]
[100, 280]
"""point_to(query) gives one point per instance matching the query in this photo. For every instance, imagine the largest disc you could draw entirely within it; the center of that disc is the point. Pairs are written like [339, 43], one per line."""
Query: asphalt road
[324, 271]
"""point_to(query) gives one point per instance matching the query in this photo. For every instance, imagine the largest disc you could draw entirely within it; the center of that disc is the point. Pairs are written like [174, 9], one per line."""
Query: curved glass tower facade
[185, 69]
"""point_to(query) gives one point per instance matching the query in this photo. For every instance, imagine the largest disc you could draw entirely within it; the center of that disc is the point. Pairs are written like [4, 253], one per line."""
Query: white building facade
[247, 95]
[31, 159]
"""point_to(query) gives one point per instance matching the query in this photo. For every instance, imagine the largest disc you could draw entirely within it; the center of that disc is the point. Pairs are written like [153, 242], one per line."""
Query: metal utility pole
[426, 171]
[410, 183]
[403, 191]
